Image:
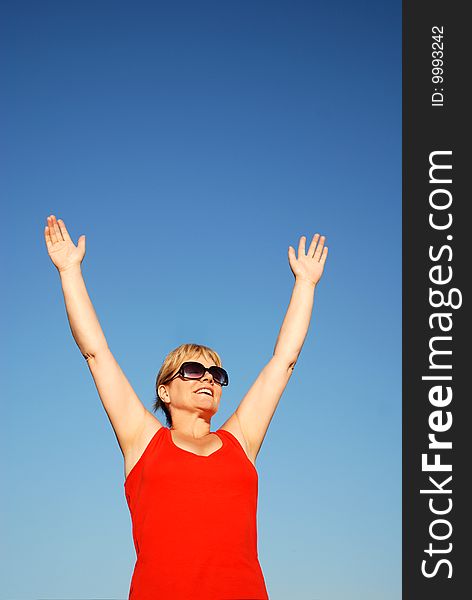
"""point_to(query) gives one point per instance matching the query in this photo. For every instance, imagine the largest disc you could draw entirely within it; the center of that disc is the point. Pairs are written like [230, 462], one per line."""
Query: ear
[162, 393]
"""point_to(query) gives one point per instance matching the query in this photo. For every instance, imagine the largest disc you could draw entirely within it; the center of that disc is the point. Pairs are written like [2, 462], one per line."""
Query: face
[183, 393]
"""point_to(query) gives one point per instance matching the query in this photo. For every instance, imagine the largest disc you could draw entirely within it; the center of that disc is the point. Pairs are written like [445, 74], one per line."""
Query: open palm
[61, 249]
[309, 265]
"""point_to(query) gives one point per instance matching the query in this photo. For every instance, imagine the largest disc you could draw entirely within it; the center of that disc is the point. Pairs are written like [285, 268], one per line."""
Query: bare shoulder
[134, 452]
[233, 426]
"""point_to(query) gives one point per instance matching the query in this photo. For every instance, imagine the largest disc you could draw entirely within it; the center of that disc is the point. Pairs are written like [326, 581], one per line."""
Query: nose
[207, 375]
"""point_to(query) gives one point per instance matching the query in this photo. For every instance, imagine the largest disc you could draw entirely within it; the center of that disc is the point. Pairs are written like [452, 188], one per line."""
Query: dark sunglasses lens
[219, 375]
[193, 370]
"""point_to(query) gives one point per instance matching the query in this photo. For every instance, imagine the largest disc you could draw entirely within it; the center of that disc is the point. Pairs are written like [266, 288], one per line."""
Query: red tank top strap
[233, 440]
[154, 441]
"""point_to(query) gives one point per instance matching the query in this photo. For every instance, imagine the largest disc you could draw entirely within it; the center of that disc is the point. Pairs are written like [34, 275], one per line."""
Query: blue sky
[192, 143]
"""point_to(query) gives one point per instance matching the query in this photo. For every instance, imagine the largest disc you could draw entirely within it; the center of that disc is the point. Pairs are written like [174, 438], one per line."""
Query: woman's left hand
[309, 266]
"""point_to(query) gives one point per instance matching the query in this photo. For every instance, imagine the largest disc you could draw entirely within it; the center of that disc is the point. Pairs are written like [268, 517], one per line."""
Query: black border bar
[437, 266]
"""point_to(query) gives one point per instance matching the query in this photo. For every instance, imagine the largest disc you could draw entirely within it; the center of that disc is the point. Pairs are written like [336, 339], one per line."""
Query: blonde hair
[172, 363]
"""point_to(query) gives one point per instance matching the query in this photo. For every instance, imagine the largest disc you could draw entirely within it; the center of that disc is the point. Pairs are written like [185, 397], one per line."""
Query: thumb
[81, 242]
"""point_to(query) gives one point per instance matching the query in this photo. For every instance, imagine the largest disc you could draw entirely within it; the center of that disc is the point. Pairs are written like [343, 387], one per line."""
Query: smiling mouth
[204, 394]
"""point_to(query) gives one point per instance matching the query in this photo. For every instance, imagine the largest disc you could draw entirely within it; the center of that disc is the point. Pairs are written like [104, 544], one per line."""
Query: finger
[52, 233]
[63, 228]
[301, 246]
[314, 241]
[47, 237]
[57, 229]
[319, 248]
[324, 255]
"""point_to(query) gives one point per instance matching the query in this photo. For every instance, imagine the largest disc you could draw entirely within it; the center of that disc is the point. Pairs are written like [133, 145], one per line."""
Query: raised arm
[307, 270]
[257, 408]
[124, 409]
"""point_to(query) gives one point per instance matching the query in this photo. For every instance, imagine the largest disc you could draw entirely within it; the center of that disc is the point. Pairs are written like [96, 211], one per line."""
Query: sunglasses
[195, 370]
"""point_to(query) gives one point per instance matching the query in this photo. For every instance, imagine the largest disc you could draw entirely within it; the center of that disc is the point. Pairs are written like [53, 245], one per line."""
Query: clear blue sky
[192, 143]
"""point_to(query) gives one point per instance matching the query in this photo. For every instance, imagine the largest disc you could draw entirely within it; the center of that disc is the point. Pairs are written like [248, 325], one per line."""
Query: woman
[192, 494]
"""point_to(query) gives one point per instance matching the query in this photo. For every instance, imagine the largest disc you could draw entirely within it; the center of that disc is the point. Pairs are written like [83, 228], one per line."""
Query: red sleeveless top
[194, 523]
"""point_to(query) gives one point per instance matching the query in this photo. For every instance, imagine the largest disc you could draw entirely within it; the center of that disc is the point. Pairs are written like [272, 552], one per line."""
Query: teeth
[205, 392]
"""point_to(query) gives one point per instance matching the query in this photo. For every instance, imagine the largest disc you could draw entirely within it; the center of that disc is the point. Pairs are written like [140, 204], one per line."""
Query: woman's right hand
[62, 251]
